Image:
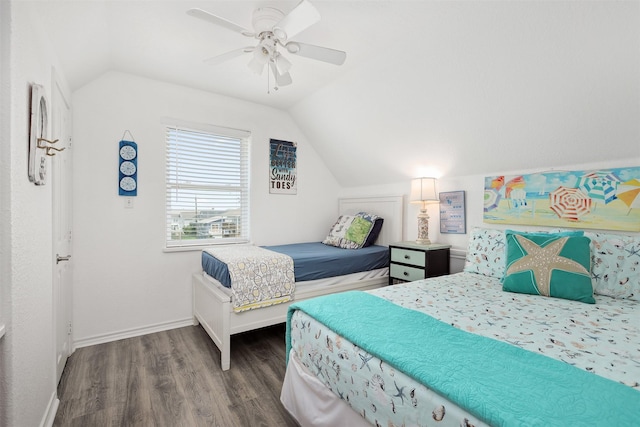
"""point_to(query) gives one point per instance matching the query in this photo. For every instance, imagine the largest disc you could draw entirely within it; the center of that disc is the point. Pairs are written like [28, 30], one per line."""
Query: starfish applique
[542, 260]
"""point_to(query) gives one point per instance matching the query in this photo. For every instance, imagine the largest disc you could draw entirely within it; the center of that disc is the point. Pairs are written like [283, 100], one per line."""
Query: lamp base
[423, 228]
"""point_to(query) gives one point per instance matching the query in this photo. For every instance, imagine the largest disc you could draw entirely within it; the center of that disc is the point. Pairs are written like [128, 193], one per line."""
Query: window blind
[207, 185]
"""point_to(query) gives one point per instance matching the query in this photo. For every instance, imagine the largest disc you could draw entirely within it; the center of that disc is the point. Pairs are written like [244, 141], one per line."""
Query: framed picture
[283, 174]
[452, 213]
[602, 199]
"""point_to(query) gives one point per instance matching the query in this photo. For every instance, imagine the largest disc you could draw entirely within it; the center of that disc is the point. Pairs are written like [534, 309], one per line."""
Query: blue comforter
[499, 383]
[312, 261]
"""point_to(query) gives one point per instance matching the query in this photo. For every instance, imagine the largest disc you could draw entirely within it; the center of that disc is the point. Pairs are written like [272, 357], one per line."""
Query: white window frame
[179, 191]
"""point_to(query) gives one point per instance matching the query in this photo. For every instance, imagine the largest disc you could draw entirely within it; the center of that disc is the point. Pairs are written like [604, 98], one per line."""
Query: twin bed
[221, 314]
[459, 350]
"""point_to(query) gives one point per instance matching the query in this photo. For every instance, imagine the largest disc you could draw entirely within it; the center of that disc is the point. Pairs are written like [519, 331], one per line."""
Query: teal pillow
[549, 264]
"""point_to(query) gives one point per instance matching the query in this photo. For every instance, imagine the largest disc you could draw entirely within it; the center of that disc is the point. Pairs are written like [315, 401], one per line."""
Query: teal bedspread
[499, 383]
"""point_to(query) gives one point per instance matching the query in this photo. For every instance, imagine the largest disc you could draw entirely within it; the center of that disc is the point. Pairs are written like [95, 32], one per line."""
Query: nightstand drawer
[403, 272]
[406, 256]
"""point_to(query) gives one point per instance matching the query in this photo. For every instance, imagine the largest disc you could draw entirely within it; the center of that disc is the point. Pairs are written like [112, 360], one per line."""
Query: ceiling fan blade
[219, 59]
[319, 53]
[281, 79]
[214, 19]
[299, 19]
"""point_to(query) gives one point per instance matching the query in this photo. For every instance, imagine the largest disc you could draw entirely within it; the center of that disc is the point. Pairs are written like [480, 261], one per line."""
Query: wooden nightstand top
[413, 245]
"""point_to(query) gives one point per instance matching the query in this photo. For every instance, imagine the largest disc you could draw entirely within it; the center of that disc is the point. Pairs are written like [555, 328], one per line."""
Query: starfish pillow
[549, 264]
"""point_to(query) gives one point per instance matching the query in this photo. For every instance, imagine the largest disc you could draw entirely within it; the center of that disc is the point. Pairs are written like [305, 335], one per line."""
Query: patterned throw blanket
[259, 277]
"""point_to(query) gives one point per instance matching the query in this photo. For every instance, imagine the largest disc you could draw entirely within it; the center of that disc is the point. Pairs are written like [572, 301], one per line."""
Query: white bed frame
[213, 307]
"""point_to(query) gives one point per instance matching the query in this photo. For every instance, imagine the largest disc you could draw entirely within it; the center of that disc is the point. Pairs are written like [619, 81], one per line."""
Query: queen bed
[474, 349]
[220, 309]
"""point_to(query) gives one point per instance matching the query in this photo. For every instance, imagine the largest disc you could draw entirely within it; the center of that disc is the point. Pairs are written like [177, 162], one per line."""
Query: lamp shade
[423, 190]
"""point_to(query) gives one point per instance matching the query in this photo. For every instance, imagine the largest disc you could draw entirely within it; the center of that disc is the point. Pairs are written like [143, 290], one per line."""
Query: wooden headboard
[388, 207]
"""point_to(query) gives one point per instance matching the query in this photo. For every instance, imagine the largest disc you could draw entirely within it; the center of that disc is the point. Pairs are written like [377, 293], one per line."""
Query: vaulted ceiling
[157, 39]
[442, 87]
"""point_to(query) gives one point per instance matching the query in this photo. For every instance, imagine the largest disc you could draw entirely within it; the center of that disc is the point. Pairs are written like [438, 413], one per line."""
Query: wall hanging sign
[605, 199]
[452, 213]
[128, 168]
[283, 176]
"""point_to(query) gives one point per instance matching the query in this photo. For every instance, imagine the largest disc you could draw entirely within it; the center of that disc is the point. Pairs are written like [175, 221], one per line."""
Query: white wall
[123, 281]
[27, 368]
[532, 81]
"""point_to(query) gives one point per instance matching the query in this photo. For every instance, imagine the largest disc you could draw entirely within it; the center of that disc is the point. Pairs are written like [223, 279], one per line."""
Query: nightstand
[409, 261]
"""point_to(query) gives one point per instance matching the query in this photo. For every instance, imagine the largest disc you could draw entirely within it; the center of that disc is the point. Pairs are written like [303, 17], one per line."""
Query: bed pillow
[615, 265]
[549, 264]
[350, 231]
[375, 230]
[485, 252]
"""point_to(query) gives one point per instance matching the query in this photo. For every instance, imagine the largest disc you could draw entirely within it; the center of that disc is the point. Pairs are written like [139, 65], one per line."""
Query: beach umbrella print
[569, 203]
[497, 182]
[629, 193]
[513, 184]
[491, 199]
[599, 185]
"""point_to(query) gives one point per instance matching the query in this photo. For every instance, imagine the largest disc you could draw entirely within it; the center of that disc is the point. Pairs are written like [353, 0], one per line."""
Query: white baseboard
[458, 253]
[457, 259]
[130, 333]
[50, 413]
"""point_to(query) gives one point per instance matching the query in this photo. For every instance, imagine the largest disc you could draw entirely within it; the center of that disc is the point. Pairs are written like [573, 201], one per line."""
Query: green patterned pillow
[359, 230]
[554, 265]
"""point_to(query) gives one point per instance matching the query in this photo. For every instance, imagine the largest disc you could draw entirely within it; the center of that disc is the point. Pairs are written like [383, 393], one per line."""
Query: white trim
[457, 259]
[133, 332]
[458, 253]
[220, 242]
[219, 130]
[50, 414]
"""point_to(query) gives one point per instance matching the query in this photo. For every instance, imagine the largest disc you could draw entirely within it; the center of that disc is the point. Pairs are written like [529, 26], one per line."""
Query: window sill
[201, 247]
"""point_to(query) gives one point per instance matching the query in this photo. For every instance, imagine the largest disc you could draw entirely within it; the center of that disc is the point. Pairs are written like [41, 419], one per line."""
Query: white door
[61, 182]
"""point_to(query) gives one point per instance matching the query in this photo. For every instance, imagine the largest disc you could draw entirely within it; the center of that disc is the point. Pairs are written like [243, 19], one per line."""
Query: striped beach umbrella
[600, 185]
[569, 203]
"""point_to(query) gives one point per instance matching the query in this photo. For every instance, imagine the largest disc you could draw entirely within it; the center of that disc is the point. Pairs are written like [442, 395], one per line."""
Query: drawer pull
[407, 257]
[405, 273]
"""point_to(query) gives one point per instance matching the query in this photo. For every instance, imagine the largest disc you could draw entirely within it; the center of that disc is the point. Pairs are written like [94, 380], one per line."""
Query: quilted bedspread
[500, 383]
[259, 277]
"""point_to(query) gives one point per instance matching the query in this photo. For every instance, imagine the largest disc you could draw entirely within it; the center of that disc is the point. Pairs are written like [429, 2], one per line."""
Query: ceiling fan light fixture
[282, 64]
[258, 61]
[272, 28]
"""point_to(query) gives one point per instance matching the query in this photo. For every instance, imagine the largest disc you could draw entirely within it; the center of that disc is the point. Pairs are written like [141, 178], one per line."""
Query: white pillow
[615, 265]
[486, 252]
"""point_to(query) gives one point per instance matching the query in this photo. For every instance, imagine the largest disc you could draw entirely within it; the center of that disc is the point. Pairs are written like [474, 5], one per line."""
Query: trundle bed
[213, 302]
[474, 348]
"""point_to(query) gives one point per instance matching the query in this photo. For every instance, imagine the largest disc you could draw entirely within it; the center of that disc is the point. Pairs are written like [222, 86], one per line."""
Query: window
[207, 179]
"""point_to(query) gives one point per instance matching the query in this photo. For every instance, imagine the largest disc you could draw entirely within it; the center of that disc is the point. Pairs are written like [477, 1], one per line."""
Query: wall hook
[49, 148]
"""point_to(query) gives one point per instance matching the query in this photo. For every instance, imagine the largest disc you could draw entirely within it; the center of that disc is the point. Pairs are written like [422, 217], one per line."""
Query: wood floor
[173, 378]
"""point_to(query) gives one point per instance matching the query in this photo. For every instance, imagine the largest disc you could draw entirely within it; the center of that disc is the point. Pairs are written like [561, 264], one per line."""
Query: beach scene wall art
[606, 199]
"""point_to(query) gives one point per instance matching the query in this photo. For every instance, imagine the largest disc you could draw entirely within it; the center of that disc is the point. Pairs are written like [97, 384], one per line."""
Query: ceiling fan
[273, 30]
